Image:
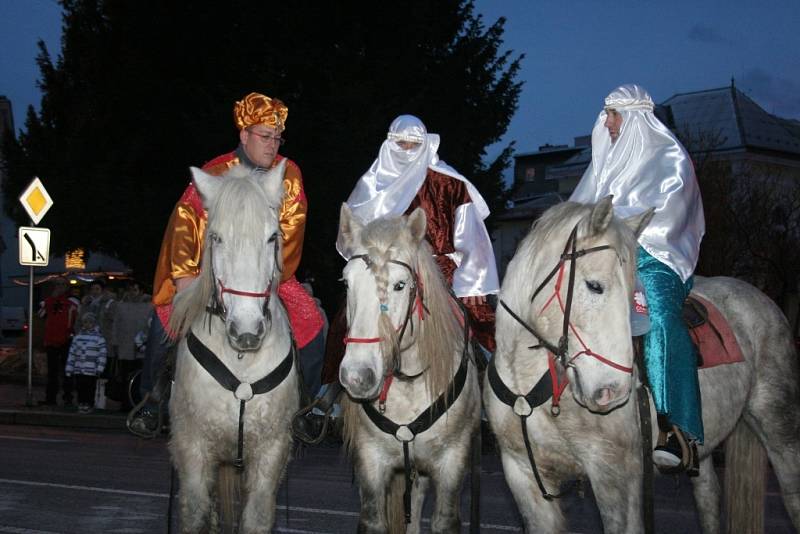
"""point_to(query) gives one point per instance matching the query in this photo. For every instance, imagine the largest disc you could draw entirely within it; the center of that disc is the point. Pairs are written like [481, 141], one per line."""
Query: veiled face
[613, 123]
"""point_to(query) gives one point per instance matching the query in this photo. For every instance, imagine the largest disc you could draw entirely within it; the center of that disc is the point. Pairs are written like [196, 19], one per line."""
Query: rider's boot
[310, 427]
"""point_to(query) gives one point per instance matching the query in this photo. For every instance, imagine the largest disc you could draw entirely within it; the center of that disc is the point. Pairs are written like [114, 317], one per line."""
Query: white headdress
[647, 167]
[391, 183]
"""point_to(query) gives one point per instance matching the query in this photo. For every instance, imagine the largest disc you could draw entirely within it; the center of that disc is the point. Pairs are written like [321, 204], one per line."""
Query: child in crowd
[87, 360]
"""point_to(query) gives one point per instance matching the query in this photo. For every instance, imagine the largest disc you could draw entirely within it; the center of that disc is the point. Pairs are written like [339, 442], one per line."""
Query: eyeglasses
[267, 138]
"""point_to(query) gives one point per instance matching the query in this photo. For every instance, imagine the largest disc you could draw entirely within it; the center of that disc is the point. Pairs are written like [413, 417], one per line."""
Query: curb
[61, 419]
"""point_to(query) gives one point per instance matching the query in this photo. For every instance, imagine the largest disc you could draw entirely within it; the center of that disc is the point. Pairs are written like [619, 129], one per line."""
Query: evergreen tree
[142, 90]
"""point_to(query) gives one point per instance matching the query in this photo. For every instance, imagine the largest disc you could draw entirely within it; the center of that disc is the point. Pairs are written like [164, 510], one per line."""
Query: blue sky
[576, 52]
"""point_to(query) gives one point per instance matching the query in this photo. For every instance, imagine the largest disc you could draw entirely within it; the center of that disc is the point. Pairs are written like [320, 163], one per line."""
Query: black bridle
[415, 300]
[549, 387]
[406, 433]
[217, 304]
[570, 254]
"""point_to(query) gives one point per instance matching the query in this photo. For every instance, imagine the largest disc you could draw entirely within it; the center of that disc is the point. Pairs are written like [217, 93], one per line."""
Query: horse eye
[272, 238]
[399, 286]
[595, 286]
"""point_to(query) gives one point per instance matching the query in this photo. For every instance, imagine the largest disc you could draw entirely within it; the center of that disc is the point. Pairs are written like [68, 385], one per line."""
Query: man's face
[59, 287]
[261, 143]
[613, 123]
[95, 290]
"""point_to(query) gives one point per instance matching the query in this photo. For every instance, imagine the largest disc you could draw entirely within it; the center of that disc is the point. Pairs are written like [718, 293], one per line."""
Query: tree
[132, 102]
[752, 212]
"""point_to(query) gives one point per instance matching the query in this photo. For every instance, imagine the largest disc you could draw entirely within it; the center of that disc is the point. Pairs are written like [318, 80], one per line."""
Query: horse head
[383, 292]
[242, 255]
[583, 270]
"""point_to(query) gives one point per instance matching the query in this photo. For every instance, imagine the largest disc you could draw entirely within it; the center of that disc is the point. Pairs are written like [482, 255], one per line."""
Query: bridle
[544, 389]
[560, 352]
[415, 302]
[217, 304]
[406, 433]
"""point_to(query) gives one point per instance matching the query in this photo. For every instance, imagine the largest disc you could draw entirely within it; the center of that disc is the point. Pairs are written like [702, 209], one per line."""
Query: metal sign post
[34, 249]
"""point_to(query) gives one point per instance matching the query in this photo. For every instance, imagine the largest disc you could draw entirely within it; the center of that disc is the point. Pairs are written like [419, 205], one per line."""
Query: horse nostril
[261, 328]
[605, 396]
[233, 332]
[367, 377]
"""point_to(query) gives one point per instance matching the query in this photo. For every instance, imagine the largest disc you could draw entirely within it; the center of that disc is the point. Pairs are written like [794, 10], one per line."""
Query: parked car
[13, 321]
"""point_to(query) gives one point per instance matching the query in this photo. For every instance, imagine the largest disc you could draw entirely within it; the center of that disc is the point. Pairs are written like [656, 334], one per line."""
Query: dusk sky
[576, 52]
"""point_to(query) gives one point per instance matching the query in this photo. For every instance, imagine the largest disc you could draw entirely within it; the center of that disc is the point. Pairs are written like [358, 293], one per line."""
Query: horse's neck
[519, 366]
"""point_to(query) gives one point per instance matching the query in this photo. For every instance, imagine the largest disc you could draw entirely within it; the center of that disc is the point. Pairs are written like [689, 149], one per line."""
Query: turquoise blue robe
[669, 354]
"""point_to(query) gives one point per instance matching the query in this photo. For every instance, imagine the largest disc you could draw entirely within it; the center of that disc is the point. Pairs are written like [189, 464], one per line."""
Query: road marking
[305, 509]
[85, 488]
[45, 440]
[17, 530]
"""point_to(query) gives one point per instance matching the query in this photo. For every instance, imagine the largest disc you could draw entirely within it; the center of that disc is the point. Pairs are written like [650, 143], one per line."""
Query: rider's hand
[183, 283]
[474, 301]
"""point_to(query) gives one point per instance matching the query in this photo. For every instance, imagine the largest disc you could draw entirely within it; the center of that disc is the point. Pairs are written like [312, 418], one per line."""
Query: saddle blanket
[714, 338]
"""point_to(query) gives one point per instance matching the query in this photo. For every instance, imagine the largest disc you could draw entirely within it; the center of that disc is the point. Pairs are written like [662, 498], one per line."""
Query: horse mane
[240, 211]
[440, 335]
[539, 252]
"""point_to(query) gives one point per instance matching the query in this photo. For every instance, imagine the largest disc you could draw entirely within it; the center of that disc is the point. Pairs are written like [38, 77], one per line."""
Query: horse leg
[263, 470]
[448, 481]
[373, 474]
[418, 491]
[777, 425]
[538, 514]
[196, 475]
[707, 496]
[617, 489]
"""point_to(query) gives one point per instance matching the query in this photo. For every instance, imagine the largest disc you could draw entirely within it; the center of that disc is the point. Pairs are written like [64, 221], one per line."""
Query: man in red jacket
[59, 313]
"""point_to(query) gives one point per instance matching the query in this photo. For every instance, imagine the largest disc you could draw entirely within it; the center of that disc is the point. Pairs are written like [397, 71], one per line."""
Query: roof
[733, 119]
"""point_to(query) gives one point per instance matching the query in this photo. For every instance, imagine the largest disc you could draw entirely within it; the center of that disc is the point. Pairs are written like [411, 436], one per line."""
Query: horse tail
[395, 510]
[745, 464]
[227, 490]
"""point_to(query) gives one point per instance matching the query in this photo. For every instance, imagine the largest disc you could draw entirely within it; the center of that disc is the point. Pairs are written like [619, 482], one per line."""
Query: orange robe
[182, 248]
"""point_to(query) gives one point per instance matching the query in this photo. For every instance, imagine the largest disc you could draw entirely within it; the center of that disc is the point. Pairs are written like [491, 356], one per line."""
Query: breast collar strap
[407, 433]
[243, 391]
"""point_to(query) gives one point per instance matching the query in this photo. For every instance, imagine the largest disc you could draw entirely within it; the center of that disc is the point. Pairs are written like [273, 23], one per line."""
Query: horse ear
[637, 223]
[601, 216]
[417, 224]
[272, 183]
[206, 184]
[349, 230]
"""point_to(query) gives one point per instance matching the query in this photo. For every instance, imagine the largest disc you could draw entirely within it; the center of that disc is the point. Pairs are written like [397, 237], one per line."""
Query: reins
[408, 432]
[550, 387]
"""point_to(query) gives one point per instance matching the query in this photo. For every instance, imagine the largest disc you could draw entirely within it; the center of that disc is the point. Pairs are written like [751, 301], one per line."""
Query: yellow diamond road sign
[35, 200]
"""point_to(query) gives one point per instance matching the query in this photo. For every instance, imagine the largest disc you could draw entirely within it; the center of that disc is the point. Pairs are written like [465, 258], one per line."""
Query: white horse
[410, 371]
[236, 385]
[597, 433]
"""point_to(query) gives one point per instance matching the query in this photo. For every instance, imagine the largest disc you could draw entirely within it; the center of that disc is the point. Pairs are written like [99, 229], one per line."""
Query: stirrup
[690, 463]
[135, 412]
[303, 425]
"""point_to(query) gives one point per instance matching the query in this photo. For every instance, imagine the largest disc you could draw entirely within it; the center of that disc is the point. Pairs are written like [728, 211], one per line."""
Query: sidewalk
[14, 393]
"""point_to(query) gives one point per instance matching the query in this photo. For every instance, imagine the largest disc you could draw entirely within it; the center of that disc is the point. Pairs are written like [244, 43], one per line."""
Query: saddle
[711, 334]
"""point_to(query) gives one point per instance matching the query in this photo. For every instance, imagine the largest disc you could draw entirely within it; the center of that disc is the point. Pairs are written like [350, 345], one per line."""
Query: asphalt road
[70, 481]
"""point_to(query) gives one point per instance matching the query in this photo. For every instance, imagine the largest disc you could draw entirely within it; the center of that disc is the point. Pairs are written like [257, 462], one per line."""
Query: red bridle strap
[223, 290]
[586, 350]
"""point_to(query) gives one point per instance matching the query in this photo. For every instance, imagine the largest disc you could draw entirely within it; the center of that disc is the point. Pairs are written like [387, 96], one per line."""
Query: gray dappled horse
[417, 400]
[236, 386]
[597, 434]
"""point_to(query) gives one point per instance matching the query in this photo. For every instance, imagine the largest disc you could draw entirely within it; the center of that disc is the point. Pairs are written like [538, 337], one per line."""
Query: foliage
[142, 90]
[752, 215]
